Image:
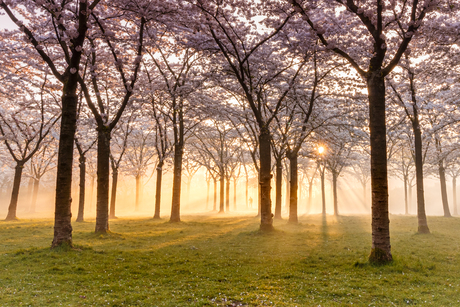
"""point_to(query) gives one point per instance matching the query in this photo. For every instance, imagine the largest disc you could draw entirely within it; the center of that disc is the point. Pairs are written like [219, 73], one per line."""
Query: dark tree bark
[278, 187]
[158, 190]
[15, 192]
[63, 202]
[63, 199]
[442, 180]
[103, 166]
[381, 248]
[81, 194]
[266, 218]
[293, 198]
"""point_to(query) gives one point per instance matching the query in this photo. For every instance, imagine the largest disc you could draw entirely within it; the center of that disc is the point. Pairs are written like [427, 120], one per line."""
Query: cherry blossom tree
[300, 118]
[25, 122]
[84, 142]
[40, 164]
[140, 153]
[361, 32]
[412, 111]
[117, 152]
[179, 79]
[257, 66]
[57, 33]
[216, 143]
[402, 167]
[163, 146]
[118, 80]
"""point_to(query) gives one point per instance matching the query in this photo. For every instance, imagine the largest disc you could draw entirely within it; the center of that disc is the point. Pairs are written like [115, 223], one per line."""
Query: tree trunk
[35, 195]
[266, 216]
[138, 186]
[15, 192]
[381, 247]
[214, 207]
[177, 178]
[113, 196]
[63, 199]
[81, 195]
[442, 179]
[421, 215]
[334, 192]
[278, 188]
[293, 188]
[227, 195]
[158, 190]
[454, 194]
[103, 165]
[222, 193]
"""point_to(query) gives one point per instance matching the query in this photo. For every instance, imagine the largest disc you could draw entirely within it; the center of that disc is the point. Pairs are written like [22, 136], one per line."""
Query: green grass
[225, 261]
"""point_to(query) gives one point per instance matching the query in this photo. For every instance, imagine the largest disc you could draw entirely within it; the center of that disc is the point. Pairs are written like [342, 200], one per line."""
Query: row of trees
[274, 79]
[344, 159]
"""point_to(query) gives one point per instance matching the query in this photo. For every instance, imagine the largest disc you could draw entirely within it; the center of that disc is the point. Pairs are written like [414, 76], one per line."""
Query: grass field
[224, 261]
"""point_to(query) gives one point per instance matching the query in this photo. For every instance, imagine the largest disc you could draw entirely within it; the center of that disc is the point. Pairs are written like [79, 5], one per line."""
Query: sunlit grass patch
[226, 261]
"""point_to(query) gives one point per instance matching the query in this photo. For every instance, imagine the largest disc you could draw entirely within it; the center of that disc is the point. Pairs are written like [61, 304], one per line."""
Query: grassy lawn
[224, 261]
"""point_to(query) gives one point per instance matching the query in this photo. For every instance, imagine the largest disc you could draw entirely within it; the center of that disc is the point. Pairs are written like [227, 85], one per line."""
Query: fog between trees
[350, 196]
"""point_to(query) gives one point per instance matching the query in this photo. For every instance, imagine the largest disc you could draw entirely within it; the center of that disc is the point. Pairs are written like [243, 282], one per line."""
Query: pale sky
[6, 23]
